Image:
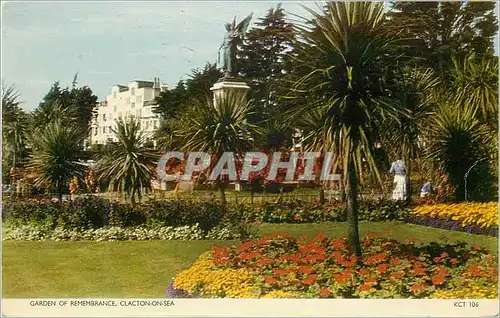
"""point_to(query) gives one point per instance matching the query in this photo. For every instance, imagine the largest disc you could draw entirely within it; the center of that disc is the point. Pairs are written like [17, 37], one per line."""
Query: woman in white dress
[398, 168]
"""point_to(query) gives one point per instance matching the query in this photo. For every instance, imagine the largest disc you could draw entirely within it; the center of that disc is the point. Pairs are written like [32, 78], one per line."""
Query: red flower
[436, 259]
[372, 235]
[324, 292]
[264, 262]
[270, 280]
[412, 239]
[382, 268]
[303, 238]
[444, 254]
[388, 233]
[296, 217]
[453, 261]
[311, 279]
[416, 287]
[365, 287]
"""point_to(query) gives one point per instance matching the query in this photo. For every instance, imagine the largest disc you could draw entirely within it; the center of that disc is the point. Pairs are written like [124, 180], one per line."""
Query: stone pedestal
[228, 85]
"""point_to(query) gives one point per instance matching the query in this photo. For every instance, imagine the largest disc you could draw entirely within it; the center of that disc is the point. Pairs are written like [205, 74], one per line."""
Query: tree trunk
[352, 211]
[322, 195]
[222, 194]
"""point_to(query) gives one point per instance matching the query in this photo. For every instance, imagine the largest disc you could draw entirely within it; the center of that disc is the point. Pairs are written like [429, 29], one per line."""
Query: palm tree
[475, 84]
[128, 165]
[56, 155]
[457, 142]
[14, 133]
[413, 95]
[219, 127]
[344, 56]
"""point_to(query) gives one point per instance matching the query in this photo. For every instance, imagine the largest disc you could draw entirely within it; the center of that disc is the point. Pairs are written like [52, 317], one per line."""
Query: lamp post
[467, 174]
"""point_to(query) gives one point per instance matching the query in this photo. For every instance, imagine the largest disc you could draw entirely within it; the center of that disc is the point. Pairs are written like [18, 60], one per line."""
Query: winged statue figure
[226, 58]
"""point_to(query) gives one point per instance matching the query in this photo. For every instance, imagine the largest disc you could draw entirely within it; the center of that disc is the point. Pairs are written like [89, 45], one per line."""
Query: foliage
[15, 123]
[475, 85]
[78, 102]
[324, 268]
[457, 141]
[438, 31]
[56, 155]
[128, 166]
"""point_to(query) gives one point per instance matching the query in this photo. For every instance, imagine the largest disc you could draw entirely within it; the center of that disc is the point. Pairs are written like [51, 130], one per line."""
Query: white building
[136, 99]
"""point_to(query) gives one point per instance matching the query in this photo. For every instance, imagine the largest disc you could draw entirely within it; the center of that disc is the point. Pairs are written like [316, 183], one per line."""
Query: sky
[110, 43]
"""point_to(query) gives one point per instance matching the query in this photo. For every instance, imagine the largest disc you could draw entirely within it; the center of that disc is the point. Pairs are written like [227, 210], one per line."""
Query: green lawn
[144, 268]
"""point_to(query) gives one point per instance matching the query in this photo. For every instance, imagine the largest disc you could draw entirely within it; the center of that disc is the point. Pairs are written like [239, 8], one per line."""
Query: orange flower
[419, 271]
[397, 275]
[324, 292]
[365, 287]
[412, 239]
[270, 280]
[372, 235]
[363, 271]
[382, 267]
[394, 261]
[436, 259]
[388, 233]
[371, 281]
[438, 279]
[453, 261]
[305, 269]
[444, 255]
[340, 278]
[416, 287]
[280, 271]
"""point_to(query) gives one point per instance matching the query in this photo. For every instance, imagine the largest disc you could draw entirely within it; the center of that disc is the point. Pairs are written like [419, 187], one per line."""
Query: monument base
[227, 85]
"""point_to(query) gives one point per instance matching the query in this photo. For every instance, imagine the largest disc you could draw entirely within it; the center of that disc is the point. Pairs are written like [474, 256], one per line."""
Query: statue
[226, 59]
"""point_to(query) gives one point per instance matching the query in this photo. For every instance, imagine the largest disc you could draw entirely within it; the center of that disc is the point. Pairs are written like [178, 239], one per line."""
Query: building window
[114, 108]
[132, 105]
[114, 95]
[104, 129]
[95, 131]
[155, 123]
[132, 91]
[138, 99]
[104, 117]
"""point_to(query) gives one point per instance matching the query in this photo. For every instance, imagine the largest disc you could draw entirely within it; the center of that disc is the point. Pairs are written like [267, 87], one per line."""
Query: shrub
[324, 268]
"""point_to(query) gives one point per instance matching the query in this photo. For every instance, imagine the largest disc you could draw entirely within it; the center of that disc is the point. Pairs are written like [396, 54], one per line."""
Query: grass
[144, 268]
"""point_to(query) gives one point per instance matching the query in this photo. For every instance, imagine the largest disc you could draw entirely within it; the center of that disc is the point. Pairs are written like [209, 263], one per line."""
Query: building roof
[122, 88]
[141, 84]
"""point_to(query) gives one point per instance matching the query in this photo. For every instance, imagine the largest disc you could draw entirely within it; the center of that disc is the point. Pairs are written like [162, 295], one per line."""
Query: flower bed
[33, 232]
[477, 218]
[281, 266]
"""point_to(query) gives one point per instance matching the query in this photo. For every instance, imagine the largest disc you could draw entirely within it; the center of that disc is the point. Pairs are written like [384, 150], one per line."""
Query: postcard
[264, 159]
